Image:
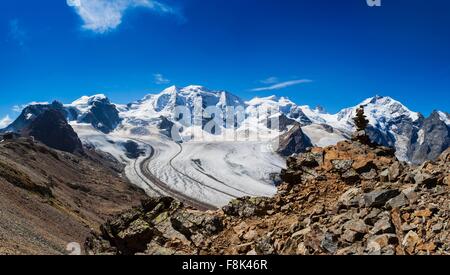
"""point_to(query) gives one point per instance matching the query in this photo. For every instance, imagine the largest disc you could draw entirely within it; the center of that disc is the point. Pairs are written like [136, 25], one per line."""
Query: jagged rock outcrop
[133, 151]
[150, 228]
[345, 199]
[51, 128]
[102, 114]
[431, 140]
[166, 126]
[31, 112]
[294, 141]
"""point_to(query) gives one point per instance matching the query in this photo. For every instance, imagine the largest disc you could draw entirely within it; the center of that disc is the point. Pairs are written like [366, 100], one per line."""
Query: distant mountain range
[416, 138]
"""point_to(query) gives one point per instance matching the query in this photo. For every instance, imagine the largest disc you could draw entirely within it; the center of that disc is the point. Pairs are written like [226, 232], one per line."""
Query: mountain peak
[170, 90]
[273, 99]
[378, 100]
[88, 100]
[387, 107]
[195, 87]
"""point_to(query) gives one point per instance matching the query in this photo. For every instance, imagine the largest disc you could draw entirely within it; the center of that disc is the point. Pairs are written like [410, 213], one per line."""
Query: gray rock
[329, 244]
[342, 166]
[265, 247]
[382, 226]
[372, 217]
[397, 202]
[378, 245]
[384, 176]
[411, 194]
[425, 179]
[357, 226]
[437, 227]
[350, 198]
[351, 177]
[372, 174]
[395, 171]
[351, 236]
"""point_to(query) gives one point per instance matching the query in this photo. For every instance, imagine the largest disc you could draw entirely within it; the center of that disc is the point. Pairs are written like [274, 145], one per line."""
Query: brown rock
[357, 226]
[410, 241]
[426, 213]
[428, 247]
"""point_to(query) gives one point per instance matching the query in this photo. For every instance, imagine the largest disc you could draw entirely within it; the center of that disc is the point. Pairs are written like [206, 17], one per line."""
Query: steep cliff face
[339, 200]
[293, 141]
[31, 112]
[430, 140]
[52, 129]
[99, 112]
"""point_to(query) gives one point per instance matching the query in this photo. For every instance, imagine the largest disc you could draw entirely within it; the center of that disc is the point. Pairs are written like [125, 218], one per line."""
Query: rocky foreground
[345, 199]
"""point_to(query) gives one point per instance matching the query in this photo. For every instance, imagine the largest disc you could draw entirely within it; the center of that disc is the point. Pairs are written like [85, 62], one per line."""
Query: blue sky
[327, 52]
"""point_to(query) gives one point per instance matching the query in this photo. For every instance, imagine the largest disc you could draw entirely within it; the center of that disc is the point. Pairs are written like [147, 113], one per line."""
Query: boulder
[383, 226]
[397, 202]
[135, 237]
[350, 198]
[378, 198]
[410, 241]
[351, 177]
[342, 165]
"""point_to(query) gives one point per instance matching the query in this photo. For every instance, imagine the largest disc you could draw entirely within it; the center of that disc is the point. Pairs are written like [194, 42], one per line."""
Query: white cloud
[282, 85]
[102, 16]
[17, 108]
[160, 79]
[4, 122]
[270, 80]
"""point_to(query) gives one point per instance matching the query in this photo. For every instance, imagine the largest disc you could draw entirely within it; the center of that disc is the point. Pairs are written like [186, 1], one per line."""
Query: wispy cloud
[102, 16]
[4, 122]
[17, 33]
[17, 108]
[282, 85]
[160, 79]
[270, 80]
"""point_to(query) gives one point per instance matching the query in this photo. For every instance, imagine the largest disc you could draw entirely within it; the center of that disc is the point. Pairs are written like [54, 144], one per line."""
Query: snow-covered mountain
[165, 103]
[391, 123]
[96, 110]
[282, 104]
[167, 150]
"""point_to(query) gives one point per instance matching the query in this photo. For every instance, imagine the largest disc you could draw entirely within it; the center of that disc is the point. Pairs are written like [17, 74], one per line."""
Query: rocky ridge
[345, 199]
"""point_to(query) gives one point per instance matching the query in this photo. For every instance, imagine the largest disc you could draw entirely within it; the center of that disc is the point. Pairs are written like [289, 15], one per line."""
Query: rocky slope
[50, 198]
[345, 199]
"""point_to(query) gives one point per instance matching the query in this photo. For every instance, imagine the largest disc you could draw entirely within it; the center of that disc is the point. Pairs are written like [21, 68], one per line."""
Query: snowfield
[210, 173]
